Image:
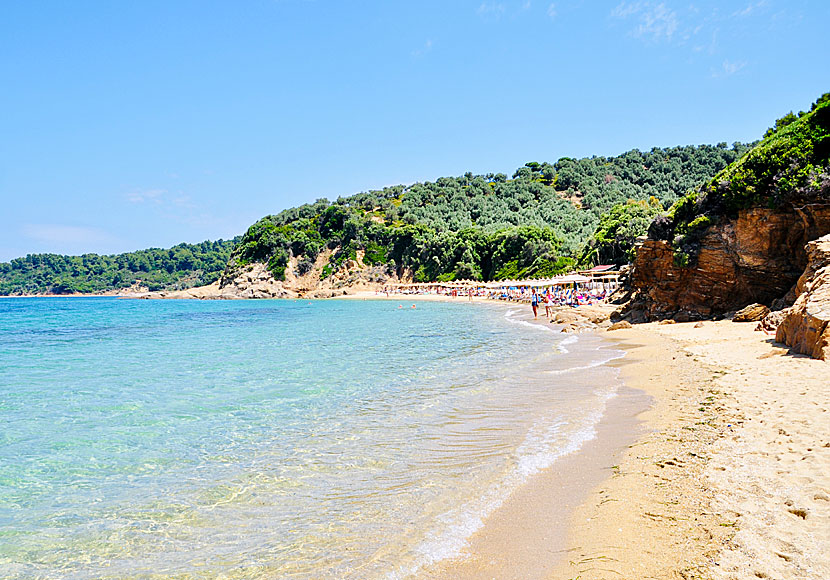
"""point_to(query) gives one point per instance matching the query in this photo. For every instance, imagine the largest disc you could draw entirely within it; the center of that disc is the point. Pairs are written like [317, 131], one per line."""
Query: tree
[613, 240]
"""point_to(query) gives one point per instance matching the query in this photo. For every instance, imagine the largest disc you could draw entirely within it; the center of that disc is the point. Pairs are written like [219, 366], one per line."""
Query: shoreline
[528, 536]
[666, 489]
[650, 519]
[713, 462]
[731, 478]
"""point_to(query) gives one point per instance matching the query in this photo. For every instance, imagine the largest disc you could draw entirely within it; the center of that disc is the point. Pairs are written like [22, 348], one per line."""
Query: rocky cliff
[740, 238]
[806, 325]
[756, 257]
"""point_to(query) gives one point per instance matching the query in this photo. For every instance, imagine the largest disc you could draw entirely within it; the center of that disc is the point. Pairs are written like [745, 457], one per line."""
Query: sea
[275, 439]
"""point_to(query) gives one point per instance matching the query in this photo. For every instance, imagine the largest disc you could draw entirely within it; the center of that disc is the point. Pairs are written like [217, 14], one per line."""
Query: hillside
[741, 237]
[182, 266]
[481, 227]
[540, 221]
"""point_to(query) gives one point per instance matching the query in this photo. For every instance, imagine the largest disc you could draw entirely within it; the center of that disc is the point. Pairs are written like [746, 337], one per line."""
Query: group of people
[570, 297]
[556, 295]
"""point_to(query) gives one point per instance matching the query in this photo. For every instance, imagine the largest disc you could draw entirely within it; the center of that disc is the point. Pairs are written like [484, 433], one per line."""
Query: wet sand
[727, 476]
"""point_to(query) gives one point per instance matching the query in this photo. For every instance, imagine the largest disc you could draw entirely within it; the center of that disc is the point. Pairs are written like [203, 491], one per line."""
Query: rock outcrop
[756, 258]
[253, 281]
[739, 238]
[256, 281]
[806, 324]
[583, 319]
[771, 321]
[752, 313]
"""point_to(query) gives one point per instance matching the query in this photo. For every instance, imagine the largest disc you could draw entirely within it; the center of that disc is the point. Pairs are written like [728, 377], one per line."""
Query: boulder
[593, 314]
[752, 313]
[568, 316]
[619, 325]
[771, 321]
[806, 324]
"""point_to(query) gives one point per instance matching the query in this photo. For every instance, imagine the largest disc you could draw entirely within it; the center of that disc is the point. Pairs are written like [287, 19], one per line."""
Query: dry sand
[733, 481]
[730, 476]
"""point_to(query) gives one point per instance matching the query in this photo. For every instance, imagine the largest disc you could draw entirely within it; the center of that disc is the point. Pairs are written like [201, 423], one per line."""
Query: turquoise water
[273, 439]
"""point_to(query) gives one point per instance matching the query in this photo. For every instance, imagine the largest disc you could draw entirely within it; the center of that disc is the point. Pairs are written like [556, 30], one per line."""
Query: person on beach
[548, 303]
[534, 303]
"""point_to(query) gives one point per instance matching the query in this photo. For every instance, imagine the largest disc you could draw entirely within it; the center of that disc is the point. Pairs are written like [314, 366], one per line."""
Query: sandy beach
[732, 479]
[714, 462]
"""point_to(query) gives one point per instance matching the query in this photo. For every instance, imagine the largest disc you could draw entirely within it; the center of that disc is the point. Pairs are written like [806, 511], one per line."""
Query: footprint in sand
[796, 511]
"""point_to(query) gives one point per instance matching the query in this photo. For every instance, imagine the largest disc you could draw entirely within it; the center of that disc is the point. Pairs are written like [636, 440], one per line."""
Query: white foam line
[508, 316]
[570, 340]
[537, 452]
[594, 364]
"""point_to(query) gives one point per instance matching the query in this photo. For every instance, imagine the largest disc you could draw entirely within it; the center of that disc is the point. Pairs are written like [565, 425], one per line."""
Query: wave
[597, 363]
[509, 316]
[547, 441]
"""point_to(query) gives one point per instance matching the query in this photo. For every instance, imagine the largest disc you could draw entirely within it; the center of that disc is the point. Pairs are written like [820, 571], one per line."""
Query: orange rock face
[806, 324]
[757, 257]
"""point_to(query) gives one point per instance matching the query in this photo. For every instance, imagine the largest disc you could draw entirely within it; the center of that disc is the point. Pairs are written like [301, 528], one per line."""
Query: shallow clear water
[262, 439]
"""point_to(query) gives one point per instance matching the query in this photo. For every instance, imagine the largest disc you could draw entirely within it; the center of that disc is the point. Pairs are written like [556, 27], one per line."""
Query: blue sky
[145, 124]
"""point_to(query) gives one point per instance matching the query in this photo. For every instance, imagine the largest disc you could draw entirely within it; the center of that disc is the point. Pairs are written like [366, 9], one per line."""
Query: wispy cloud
[159, 197]
[172, 205]
[750, 9]
[729, 68]
[512, 9]
[63, 234]
[146, 195]
[551, 11]
[493, 10]
[653, 21]
[709, 46]
[427, 46]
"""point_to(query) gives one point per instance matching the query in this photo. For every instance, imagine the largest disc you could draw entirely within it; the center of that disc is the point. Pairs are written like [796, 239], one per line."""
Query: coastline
[651, 517]
[732, 479]
[526, 537]
[713, 463]
[529, 536]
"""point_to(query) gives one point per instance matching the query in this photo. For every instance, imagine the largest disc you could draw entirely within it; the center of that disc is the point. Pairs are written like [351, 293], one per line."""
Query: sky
[129, 125]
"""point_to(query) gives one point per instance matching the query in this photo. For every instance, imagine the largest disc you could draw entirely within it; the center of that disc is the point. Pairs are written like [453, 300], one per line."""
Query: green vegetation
[787, 163]
[544, 220]
[790, 165]
[488, 227]
[182, 266]
[613, 240]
